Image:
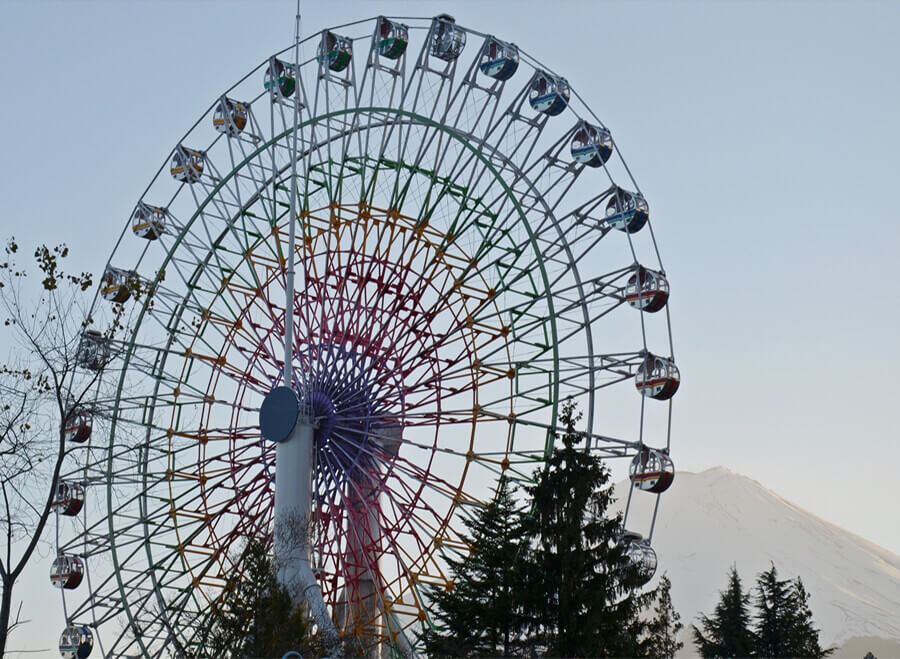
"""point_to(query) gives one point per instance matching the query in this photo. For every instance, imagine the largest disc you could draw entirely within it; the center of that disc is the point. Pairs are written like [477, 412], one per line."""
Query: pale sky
[763, 134]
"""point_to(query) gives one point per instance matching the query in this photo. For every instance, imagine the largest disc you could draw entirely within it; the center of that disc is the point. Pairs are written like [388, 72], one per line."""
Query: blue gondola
[549, 93]
[499, 60]
[627, 211]
[391, 38]
[76, 642]
[592, 145]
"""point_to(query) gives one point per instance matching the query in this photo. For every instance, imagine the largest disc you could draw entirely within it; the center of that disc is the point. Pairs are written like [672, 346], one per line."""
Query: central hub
[348, 397]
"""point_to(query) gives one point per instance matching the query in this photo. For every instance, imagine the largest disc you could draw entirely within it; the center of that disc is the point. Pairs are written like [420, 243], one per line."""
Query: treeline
[780, 624]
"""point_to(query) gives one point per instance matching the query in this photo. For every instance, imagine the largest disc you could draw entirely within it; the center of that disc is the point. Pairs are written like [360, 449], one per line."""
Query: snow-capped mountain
[713, 519]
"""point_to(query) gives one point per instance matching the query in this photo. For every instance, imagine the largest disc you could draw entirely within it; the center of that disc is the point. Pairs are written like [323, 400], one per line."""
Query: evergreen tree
[582, 591]
[804, 637]
[773, 614]
[481, 613]
[665, 625]
[256, 616]
[784, 626]
[727, 632]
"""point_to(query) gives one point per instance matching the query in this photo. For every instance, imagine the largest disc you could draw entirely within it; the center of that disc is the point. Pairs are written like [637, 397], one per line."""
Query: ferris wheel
[471, 251]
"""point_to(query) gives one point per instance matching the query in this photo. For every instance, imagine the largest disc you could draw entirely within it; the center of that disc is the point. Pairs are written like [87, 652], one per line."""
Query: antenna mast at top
[292, 224]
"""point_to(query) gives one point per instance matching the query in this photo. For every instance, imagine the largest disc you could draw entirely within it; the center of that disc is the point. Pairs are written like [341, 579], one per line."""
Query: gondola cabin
[279, 80]
[148, 222]
[499, 60]
[391, 38]
[116, 285]
[627, 211]
[548, 93]
[68, 498]
[640, 554]
[447, 38]
[657, 378]
[335, 51]
[651, 471]
[230, 116]
[647, 290]
[76, 642]
[77, 427]
[591, 145]
[67, 572]
[93, 350]
[187, 165]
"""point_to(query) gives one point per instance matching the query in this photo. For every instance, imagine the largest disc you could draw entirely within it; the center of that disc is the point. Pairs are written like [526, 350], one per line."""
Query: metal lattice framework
[459, 276]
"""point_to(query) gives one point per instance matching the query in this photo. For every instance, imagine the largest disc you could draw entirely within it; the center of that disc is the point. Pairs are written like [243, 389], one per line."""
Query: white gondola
[335, 51]
[447, 38]
[68, 498]
[187, 164]
[647, 290]
[548, 93]
[627, 211]
[391, 38]
[280, 80]
[230, 116]
[499, 60]
[93, 350]
[592, 145]
[116, 285]
[76, 642]
[657, 377]
[67, 572]
[77, 426]
[640, 554]
[148, 221]
[651, 471]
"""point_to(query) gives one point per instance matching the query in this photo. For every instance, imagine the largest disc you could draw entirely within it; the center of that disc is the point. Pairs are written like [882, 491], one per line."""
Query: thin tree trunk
[5, 611]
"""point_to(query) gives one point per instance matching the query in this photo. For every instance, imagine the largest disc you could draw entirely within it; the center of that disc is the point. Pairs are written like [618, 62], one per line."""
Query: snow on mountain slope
[713, 519]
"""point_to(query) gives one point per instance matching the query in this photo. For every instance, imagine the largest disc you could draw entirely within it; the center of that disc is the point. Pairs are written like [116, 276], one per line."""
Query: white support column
[293, 505]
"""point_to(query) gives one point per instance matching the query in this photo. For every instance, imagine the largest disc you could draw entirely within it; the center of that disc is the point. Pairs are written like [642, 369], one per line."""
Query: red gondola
[67, 572]
[647, 290]
[68, 498]
[657, 378]
[651, 471]
[77, 425]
